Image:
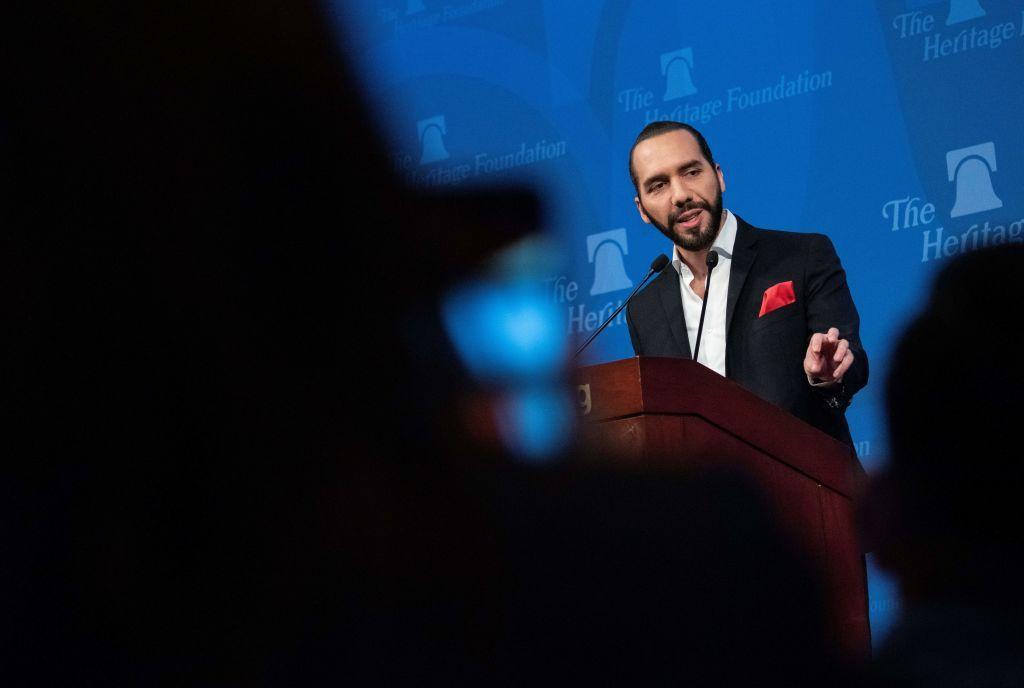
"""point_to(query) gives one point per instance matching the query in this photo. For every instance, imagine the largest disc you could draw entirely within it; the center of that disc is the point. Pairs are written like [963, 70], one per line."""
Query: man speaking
[779, 316]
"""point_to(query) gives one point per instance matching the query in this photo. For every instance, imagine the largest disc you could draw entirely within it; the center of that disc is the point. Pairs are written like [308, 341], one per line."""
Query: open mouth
[691, 218]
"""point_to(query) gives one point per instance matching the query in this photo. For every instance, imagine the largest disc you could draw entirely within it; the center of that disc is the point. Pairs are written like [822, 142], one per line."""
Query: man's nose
[681, 193]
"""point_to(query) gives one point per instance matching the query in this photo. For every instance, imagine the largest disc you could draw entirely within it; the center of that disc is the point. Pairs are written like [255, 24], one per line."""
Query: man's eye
[655, 187]
[694, 172]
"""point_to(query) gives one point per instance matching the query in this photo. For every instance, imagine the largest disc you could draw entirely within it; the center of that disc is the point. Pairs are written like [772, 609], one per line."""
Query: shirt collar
[723, 245]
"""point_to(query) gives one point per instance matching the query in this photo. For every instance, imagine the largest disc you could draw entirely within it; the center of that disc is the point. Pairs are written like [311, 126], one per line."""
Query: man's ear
[721, 177]
[640, 209]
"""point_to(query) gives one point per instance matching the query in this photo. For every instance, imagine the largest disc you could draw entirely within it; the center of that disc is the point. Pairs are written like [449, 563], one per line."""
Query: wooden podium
[673, 413]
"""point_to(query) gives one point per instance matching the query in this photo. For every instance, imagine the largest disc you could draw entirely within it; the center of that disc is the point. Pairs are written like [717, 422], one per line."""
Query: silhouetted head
[209, 346]
[954, 396]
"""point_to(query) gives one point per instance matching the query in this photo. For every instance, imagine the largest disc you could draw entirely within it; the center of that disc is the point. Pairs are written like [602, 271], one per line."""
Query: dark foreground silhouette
[945, 514]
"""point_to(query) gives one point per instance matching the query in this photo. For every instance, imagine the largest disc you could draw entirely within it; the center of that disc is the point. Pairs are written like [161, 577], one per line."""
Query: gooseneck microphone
[712, 261]
[657, 265]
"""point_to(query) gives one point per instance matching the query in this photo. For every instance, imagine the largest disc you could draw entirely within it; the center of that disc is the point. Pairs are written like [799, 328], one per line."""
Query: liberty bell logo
[971, 168]
[605, 251]
[676, 67]
[963, 10]
[431, 132]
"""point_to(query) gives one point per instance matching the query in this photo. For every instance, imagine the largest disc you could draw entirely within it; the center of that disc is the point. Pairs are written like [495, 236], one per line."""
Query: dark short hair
[663, 127]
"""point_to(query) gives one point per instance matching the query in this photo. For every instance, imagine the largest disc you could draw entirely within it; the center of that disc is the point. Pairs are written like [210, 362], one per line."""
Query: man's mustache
[676, 214]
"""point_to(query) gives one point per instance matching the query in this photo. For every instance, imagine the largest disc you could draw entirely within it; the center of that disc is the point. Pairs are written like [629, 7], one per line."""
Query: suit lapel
[743, 255]
[672, 301]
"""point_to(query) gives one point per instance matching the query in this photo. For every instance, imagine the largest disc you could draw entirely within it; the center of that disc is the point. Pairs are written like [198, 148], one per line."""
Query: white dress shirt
[712, 341]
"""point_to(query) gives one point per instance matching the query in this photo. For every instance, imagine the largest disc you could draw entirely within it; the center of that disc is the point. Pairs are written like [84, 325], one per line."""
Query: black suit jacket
[765, 354]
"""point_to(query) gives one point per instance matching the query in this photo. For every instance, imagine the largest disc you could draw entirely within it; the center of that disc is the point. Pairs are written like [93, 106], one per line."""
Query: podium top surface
[672, 386]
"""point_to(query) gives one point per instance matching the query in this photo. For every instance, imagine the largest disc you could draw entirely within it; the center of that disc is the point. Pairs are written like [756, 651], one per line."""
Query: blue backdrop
[892, 126]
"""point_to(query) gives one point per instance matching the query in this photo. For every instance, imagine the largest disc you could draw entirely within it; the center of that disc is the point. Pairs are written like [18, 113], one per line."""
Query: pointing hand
[828, 358]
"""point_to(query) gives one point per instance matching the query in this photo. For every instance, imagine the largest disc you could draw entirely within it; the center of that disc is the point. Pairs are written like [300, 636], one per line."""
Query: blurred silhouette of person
[239, 462]
[206, 410]
[944, 514]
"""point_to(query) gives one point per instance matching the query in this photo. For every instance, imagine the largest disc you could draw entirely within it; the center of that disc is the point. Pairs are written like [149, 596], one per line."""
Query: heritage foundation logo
[971, 169]
[936, 43]
[605, 250]
[677, 68]
[431, 133]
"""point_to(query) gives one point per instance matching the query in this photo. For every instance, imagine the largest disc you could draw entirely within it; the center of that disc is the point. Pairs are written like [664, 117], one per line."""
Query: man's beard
[705, 238]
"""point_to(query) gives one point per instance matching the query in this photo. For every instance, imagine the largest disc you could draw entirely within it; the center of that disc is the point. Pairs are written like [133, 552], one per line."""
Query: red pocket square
[777, 296]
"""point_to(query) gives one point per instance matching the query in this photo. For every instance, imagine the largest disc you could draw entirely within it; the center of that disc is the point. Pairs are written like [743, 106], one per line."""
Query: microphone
[712, 261]
[657, 265]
